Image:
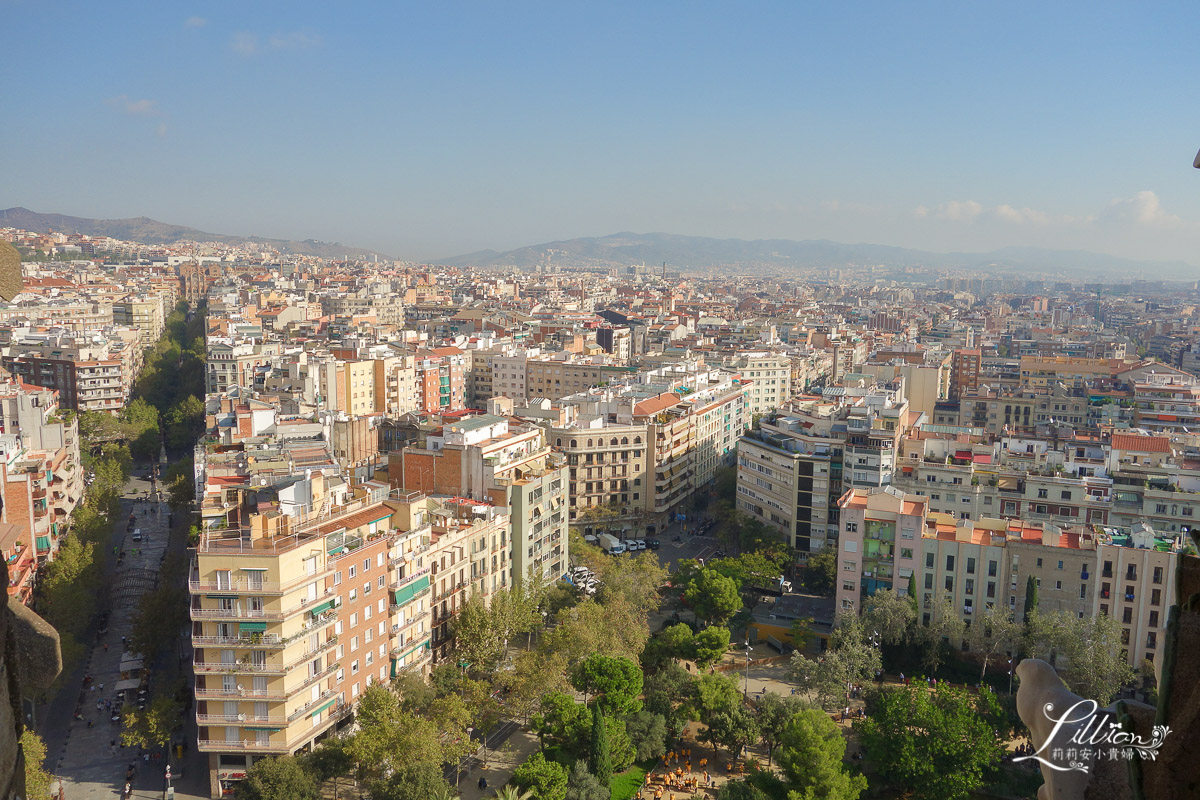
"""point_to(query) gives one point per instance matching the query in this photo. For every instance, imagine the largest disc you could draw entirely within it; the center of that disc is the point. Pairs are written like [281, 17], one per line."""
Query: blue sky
[434, 129]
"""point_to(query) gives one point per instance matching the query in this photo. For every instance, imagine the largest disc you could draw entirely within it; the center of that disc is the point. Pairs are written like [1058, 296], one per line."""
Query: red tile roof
[1141, 444]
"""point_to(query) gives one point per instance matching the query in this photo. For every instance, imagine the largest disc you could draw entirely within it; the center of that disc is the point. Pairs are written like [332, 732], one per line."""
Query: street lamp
[1010, 661]
[746, 691]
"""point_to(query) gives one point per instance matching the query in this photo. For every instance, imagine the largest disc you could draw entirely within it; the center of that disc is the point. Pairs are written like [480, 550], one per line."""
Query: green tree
[477, 640]
[733, 729]
[774, 712]
[1087, 652]
[714, 597]
[614, 628]
[37, 780]
[709, 645]
[944, 630]
[889, 615]
[511, 792]
[851, 658]
[599, 757]
[583, 785]
[160, 617]
[936, 745]
[151, 727]
[811, 752]
[820, 573]
[561, 721]
[669, 692]
[389, 739]
[532, 675]
[278, 778]
[647, 733]
[993, 632]
[741, 790]
[543, 779]
[421, 781]
[1031, 599]
[672, 642]
[717, 702]
[330, 760]
[616, 682]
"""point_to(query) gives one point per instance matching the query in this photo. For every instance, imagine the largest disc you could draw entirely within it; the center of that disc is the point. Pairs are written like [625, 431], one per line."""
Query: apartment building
[89, 375]
[486, 458]
[145, 314]
[785, 478]
[880, 533]
[291, 620]
[242, 364]
[769, 377]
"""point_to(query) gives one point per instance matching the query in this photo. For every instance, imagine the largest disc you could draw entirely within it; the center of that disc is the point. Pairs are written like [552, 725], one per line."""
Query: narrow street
[93, 757]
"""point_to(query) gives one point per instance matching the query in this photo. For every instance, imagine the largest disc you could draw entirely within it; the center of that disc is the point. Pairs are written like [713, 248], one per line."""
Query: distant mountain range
[679, 252]
[770, 255]
[151, 231]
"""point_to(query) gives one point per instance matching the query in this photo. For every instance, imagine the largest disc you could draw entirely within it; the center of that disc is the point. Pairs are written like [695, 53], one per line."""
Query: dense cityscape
[428, 530]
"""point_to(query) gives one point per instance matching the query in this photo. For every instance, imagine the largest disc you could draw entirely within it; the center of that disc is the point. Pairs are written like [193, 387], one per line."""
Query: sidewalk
[501, 763]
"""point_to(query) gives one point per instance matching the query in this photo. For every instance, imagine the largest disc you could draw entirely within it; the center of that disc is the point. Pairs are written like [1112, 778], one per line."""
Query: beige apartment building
[145, 314]
[769, 379]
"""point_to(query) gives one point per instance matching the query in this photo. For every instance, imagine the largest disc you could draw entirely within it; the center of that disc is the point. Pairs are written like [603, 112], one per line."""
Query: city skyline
[428, 133]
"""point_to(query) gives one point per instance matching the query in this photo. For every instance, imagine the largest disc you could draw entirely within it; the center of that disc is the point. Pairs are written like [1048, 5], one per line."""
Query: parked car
[137, 534]
[653, 544]
[640, 544]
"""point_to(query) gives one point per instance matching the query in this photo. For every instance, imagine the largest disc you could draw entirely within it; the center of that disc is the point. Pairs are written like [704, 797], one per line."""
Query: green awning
[221, 596]
[43, 543]
[403, 595]
[252, 626]
[254, 569]
[253, 728]
[321, 609]
[321, 708]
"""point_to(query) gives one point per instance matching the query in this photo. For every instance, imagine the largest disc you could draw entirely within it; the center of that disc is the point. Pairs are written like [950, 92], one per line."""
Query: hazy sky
[436, 128]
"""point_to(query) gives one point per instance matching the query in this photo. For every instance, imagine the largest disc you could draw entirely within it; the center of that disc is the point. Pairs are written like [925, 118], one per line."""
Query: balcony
[240, 719]
[241, 692]
[237, 667]
[234, 613]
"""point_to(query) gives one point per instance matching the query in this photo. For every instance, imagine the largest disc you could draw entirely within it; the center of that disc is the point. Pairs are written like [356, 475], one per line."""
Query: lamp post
[746, 690]
[1010, 661]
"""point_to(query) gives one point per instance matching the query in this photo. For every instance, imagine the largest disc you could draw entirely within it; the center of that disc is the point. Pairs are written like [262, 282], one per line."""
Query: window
[970, 566]
[1039, 562]
[848, 586]
[1158, 573]
[366, 588]
[969, 586]
[929, 561]
[949, 563]
[852, 527]
[353, 595]
[1066, 495]
[850, 566]
[1042, 494]
[928, 580]
[1058, 585]
[337, 578]
[354, 669]
[906, 552]
[1155, 596]
[1083, 591]
[949, 584]
[353, 571]
[991, 569]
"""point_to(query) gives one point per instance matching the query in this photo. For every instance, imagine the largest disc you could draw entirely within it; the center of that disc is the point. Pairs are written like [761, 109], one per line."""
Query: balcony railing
[240, 719]
[253, 694]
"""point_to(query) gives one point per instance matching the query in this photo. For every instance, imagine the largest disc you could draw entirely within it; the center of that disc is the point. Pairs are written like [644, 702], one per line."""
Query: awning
[43, 543]
[983, 458]
[127, 684]
[965, 454]
[254, 569]
[221, 596]
[257, 728]
[322, 707]
[406, 593]
[252, 626]
[321, 609]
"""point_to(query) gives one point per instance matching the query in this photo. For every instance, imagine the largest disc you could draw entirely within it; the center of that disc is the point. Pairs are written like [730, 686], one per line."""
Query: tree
[615, 681]
[423, 781]
[599, 757]
[583, 785]
[329, 761]
[1087, 653]
[801, 632]
[993, 632]
[672, 642]
[709, 645]
[937, 745]
[545, 780]
[389, 738]
[634, 579]
[1031, 598]
[561, 721]
[889, 615]
[717, 701]
[161, 615]
[811, 752]
[820, 573]
[532, 675]
[477, 640]
[668, 692]
[647, 733]
[741, 790]
[279, 778]
[774, 712]
[714, 597]
[732, 728]
[615, 628]
[511, 792]
[850, 659]
[37, 780]
[945, 627]
[151, 727]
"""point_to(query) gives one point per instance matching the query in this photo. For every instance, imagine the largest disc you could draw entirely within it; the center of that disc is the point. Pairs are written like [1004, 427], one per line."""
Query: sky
[428, 130]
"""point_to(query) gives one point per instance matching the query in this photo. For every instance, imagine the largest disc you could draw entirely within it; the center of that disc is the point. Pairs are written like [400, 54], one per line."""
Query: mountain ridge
[150, 231]
[698, 252]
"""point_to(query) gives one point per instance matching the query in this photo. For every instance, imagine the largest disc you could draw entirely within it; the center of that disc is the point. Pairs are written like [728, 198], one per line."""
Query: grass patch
[626, 784]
